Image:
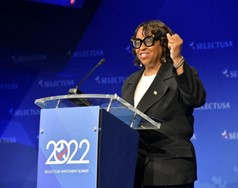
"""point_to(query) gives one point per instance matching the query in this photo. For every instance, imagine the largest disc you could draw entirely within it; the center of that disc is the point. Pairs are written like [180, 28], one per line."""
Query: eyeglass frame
[154, 38]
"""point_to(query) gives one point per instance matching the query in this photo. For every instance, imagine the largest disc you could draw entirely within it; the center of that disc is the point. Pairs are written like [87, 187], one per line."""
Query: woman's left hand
[175, 45]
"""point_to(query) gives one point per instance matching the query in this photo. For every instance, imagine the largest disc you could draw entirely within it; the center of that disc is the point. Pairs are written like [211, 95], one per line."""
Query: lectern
[89, 141]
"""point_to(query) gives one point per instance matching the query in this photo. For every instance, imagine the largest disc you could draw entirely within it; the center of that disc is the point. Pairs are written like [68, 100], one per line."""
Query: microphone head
[102, 61]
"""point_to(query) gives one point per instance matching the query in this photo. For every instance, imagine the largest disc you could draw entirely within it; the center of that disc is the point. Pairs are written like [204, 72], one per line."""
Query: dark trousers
[139, 176]
[173, 186]
[142, 160]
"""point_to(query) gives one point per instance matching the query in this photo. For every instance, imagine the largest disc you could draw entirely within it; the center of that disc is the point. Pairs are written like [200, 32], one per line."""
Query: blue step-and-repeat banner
[47, 48]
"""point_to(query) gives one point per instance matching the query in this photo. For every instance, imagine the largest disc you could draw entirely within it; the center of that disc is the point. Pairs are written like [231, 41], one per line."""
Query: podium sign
[89, 141]
[68, 147]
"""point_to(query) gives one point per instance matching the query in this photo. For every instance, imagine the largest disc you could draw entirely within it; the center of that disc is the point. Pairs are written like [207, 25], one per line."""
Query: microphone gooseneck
[76, 89]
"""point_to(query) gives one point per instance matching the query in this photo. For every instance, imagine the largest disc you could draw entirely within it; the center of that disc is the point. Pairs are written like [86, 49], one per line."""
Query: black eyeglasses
[148, 41]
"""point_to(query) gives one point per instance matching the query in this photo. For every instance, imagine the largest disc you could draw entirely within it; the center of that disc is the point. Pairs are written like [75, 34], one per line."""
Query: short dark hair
[159, 30]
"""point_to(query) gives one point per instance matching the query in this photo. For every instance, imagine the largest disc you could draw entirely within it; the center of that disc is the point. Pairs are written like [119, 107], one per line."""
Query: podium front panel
[68, 147]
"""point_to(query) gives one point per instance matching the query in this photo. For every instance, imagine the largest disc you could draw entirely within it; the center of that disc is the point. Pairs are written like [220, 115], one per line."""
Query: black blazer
[171, 98]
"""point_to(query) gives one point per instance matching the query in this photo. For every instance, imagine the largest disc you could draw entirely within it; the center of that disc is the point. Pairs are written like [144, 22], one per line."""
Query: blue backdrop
[46, 49]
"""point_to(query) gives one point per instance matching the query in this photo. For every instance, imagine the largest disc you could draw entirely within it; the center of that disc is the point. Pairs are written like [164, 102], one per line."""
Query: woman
[165, 88]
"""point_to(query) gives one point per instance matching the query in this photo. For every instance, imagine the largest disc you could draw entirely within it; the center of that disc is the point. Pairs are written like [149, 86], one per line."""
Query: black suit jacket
[171, 98]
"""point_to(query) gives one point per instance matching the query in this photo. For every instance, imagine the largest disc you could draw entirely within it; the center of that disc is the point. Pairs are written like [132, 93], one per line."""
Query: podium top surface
[111, 103]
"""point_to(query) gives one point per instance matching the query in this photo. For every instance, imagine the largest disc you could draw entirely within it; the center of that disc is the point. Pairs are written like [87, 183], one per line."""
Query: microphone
[76, 89]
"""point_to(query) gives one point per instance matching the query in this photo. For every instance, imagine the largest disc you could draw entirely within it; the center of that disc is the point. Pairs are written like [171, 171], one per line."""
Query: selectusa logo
[86, 53]
[110, 80]
[8, 140]
[72, 152]
[229, 135]
[56, 83]
[215, 106]
[230, 73]
[24, 112]
[9, 86]
[211, 45]
[24, 59]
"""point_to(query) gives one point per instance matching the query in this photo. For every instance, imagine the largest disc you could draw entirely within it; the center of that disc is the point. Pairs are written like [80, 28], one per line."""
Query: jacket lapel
[157, 89]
